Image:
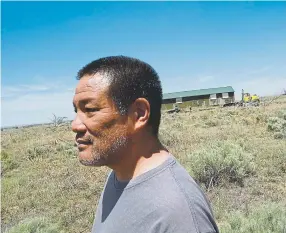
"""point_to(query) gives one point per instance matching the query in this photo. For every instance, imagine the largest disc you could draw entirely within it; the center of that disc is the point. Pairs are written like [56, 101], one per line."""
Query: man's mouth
[82, 144]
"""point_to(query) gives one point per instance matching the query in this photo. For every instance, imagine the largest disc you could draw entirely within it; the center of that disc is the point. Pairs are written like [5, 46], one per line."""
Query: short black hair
[129, 79]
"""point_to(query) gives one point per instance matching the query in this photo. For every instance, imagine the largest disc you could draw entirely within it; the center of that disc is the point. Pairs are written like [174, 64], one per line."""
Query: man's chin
[90, 163]
[87, 160]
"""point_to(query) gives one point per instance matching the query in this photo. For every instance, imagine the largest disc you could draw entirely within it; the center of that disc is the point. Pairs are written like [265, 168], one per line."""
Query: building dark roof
[198, 92]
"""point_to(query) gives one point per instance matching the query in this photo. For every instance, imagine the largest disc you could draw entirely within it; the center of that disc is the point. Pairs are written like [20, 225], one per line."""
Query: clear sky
[191, 45]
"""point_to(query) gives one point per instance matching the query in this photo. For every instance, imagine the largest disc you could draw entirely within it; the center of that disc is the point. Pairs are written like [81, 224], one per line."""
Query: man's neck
[144, 156]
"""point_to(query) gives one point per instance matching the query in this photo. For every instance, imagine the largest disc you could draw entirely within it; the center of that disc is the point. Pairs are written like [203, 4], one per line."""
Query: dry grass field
[237, 155]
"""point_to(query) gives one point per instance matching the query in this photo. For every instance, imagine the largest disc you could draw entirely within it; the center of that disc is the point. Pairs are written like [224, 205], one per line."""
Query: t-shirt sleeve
[181, 220]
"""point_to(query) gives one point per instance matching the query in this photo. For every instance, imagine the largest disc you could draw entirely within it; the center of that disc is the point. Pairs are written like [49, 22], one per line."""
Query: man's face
[101, 132]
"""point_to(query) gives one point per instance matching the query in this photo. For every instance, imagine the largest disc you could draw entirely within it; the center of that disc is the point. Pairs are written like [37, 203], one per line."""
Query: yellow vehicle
[250, 99]
[255, 98]
[246, 98]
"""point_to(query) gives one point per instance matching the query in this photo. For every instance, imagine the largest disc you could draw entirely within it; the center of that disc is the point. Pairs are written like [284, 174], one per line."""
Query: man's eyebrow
[84, 101]
[90, 89]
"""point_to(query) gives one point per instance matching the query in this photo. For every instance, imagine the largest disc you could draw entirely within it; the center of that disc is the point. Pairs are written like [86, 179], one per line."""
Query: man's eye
[91, 109]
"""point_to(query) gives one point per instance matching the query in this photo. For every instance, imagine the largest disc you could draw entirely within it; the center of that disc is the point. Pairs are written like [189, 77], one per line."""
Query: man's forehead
[92, 83]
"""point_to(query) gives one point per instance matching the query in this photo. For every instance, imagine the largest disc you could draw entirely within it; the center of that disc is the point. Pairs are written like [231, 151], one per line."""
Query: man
[118, 109]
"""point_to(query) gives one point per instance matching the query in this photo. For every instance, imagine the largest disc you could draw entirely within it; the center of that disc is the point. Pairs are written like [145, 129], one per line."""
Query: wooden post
[242, 95]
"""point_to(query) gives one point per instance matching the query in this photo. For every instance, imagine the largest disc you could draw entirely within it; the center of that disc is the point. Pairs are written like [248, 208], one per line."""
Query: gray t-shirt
[164, 199]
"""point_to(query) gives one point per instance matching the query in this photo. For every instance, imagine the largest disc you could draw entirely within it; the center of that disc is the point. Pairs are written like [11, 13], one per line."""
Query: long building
[202, 97]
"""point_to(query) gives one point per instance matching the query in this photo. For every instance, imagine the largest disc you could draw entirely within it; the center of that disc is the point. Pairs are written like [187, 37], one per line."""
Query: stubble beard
[109, 152]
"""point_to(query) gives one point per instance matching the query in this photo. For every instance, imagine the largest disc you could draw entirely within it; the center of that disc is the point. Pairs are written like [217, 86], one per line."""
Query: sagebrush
[231, 152]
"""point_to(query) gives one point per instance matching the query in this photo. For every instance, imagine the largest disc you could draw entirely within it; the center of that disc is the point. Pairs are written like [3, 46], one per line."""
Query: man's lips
[82, 144]
[79, 141]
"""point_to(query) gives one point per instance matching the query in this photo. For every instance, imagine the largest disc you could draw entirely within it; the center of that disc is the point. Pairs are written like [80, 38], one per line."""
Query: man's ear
[140, 111]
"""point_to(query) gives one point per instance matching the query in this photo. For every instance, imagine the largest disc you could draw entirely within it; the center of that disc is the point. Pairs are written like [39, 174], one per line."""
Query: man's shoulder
[191, 190]
[174, 187]
[183, 181]
[168, 197]
[198, 204]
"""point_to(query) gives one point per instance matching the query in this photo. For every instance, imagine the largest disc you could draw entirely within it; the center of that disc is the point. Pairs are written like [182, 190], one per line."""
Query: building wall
[185, 104]
[195, 101]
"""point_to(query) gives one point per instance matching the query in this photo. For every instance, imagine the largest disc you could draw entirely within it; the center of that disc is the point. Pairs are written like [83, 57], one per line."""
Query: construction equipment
[175, 109]
[250, 100]
[246, 98]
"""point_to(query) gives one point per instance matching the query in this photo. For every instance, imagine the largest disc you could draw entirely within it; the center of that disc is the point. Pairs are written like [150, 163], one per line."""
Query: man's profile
[118, 110]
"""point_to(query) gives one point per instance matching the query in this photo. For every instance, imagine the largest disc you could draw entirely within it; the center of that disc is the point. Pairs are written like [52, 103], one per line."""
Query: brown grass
[42, 178]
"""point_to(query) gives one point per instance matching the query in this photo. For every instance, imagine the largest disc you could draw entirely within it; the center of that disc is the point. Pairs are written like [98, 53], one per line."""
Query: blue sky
[191, 45]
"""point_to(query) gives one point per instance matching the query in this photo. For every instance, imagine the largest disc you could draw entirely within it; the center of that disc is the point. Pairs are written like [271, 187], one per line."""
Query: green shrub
[36, 225]
[282, 114]
[261, 118]
[278, 125]
[169, 138]
[46, 151]
[67, 148]
[8, 163]
[265, 219]
[278, 135]
[220, 163]
[211, 123]
[39, 151]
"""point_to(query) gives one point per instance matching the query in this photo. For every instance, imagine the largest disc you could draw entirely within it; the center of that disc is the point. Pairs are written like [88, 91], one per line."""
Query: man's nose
[78, 125]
